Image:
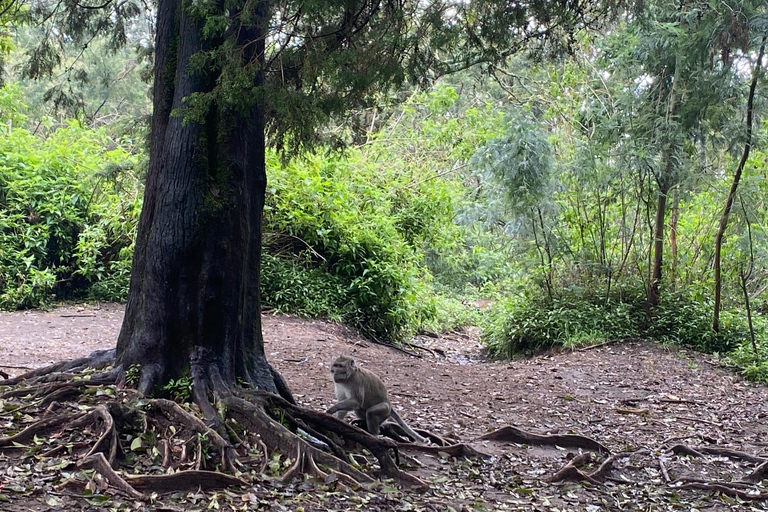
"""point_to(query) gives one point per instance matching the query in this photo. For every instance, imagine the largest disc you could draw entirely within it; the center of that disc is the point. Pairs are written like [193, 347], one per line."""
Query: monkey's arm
[350, 404]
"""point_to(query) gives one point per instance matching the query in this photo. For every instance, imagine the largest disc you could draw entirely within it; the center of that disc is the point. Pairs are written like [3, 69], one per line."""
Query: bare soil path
[635, 397]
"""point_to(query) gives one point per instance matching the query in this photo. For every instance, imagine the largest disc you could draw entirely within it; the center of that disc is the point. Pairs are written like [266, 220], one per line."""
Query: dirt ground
[636, 397]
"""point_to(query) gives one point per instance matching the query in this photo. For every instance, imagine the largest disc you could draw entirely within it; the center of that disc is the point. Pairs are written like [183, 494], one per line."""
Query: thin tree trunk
[673, 240]
[734, 187]
[658, 246]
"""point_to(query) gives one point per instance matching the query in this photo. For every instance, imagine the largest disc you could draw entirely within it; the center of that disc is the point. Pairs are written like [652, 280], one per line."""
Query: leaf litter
[684, 432]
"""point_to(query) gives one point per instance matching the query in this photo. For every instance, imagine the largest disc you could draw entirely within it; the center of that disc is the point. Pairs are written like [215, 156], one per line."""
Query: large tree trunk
[194, 305]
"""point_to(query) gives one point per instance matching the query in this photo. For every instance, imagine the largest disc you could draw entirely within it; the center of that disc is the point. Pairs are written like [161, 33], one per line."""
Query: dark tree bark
[194, 302]
[734, 187]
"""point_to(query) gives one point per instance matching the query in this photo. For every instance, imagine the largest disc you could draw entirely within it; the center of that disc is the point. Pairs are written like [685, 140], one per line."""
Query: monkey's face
[342, 369]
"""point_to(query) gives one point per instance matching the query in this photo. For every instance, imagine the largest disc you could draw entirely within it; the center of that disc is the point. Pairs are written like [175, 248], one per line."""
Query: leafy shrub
[753, 364]
[525, 325]
[66, 216]
[343, 240]
[528, 324]
[686, 320]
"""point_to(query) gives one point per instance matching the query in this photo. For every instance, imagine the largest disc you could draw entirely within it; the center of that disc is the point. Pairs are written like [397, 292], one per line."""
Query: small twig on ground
[698, 420]
[597, 345]
[663, 469]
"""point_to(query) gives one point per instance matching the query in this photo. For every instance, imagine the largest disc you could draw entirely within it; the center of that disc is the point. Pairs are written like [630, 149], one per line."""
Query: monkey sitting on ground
[362, 391]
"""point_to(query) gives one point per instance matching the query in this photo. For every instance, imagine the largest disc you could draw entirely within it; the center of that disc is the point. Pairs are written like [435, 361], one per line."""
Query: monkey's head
[342, 369]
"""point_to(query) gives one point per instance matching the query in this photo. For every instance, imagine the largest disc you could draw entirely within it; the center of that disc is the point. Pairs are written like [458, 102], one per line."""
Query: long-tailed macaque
[362, 391]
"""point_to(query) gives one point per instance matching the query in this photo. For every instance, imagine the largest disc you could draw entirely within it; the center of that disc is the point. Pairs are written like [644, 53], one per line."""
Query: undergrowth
[531, 323]
[68, 210]
[344, 239]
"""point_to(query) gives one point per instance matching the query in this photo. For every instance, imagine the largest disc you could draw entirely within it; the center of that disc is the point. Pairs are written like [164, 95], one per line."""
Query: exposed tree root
[727, 490]
[38, 428]
[722, 452]
[602, 473]
[304, 465]
[511, 434]
[571, 471]
[739, 489]
[276, 435]
[758, 475]
[100, 464]
[107, 442]
[190, 480]
[175, 412]
[396, 432]
[52, 390]
[97, 360]
[454, 450]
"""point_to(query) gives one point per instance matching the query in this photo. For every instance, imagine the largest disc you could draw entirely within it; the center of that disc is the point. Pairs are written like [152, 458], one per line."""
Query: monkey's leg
[375, 416]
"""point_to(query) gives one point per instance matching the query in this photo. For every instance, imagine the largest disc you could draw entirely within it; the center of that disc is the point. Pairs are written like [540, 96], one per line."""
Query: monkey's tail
[407, 428]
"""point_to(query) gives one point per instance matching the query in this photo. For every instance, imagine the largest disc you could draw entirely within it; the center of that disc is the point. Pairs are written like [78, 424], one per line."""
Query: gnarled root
[572, 472]
[161, 429]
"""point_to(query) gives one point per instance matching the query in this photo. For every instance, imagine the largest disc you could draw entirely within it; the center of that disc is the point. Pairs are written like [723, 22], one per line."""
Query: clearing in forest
[683, 431]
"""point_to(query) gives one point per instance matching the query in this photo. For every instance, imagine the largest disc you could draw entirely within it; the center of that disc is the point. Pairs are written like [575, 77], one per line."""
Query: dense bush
[527, 324]
[68, 208]
[344, 239]
[531, 323]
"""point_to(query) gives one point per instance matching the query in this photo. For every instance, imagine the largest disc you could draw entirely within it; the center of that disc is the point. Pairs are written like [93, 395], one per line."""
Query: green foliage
[686, 319]
[519, 161]
[527, 324]
[343, 240]
[179, 389]
[751, 358]
[66, 215]
[132, 375]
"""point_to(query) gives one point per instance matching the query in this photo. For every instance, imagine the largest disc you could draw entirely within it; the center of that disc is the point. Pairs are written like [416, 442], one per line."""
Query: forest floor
[638, 398]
